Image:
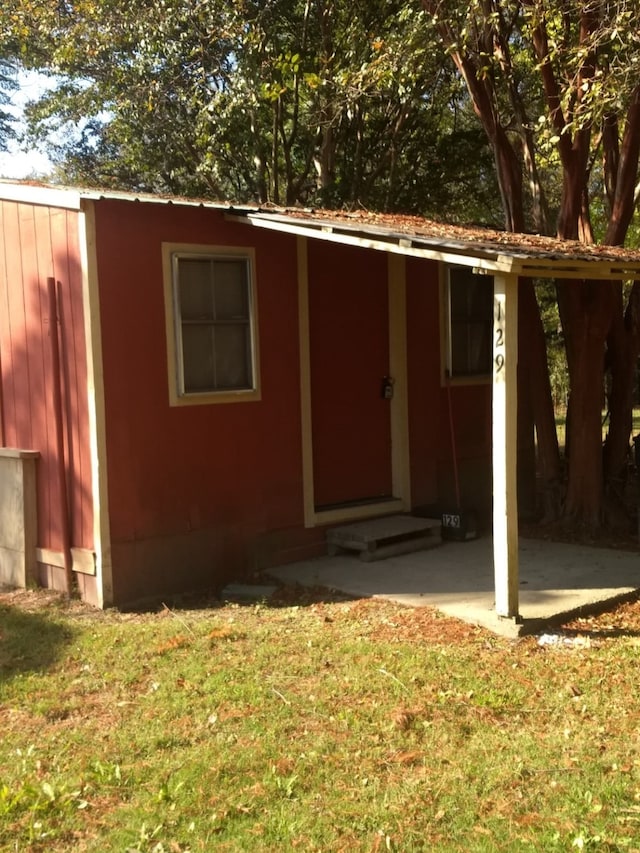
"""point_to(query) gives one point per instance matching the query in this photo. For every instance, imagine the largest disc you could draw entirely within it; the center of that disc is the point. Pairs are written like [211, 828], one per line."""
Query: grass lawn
[313, 726]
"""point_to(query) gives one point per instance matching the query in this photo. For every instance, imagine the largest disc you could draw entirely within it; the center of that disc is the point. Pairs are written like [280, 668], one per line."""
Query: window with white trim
[213, 319]
[470, 326]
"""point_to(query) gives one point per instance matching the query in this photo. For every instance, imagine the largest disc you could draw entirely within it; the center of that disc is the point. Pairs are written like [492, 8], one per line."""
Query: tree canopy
[289, 101]
[556, 89]
[524, 111]
[8, 85]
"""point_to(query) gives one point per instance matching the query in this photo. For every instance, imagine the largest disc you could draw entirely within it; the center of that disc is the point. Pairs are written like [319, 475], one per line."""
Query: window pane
[197, 358]
[473, 353]
[196, 289]
[231, 298]
[471, 314]
[233, 362]
[214, 316]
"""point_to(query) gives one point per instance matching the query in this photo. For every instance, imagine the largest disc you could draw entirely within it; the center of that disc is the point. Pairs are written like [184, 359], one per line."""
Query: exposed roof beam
[483, 258]
[396, 245]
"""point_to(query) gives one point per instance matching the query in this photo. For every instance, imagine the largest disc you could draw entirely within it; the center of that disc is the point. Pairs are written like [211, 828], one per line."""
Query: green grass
[561, 425]
[332, 726]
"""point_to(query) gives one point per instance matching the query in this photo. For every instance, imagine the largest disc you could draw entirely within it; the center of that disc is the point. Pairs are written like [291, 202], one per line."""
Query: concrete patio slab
[556, 580]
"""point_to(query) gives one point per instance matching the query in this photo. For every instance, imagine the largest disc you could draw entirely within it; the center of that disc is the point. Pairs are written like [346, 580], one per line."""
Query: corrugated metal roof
[486, 249]
[481, 238]
[37, 192]
[483, 248]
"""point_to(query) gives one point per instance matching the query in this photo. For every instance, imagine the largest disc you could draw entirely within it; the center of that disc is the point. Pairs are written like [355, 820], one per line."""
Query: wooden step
[379, 538]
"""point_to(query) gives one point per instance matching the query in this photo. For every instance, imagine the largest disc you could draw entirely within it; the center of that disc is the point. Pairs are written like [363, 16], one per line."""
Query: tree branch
[623, 205]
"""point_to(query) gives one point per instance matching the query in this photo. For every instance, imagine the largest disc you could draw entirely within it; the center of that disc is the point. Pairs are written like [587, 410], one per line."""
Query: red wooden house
[191, 391]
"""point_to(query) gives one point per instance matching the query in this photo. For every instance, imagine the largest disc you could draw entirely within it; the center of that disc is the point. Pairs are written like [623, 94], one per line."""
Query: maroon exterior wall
[204, 493]
[423, 367]
[471, 406]
[200, 494]
[197, 494]
[37, 242]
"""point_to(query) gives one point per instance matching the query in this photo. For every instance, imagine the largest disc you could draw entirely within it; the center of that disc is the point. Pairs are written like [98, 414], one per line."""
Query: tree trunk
[623, 343]
[275, 155]
[539, 204]
[623, 348]
[538, 387]
[326, 156]
[586, 312]
[358, 164]
[509, 179]
[583, 502]
[526, 473]
[260, 163]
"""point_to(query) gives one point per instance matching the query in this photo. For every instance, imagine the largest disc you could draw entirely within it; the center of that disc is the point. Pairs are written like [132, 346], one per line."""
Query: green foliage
[314, 102]
[8, 85]
[556, 357]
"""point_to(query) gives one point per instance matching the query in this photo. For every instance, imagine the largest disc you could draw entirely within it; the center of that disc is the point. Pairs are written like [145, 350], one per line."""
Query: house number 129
[498, 330]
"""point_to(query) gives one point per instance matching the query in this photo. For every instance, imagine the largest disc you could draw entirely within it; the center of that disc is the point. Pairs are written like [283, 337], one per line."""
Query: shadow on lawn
[264, 591]
[29, 642]
[599, 633]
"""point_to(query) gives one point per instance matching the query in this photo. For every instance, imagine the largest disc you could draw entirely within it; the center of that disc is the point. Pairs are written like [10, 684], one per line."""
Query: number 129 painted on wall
[498, 333]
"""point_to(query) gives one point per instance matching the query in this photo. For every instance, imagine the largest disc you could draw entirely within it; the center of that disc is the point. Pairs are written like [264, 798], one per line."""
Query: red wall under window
[230, 467]
[233, 470]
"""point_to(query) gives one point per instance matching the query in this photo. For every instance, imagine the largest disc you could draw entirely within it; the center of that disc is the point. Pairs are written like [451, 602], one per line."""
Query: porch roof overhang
[486, 251]
[507, 257]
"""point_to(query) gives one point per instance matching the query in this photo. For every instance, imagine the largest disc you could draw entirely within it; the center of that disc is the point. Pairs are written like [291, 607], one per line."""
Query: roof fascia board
[46, 196]
[324, 231]
[71, 199]
[134, 198]
[404, 244]
[602, 270]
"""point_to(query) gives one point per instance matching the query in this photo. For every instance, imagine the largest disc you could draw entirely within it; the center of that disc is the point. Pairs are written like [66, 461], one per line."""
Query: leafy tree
[554, 86]
[8, 85]
[290, 101]
[586, 55]
[486, 48]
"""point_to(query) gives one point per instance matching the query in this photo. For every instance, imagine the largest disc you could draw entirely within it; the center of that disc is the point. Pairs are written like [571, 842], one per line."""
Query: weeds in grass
[354, 725]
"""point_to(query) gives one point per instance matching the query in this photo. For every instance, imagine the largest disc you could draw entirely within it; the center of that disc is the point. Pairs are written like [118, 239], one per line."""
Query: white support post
[505, 437]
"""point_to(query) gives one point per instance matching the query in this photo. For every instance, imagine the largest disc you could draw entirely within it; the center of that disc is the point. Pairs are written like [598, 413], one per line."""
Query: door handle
[387, 387]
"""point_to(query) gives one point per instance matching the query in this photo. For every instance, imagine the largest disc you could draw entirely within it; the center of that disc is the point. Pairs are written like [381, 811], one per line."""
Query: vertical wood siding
[193, 490]
[37, 242]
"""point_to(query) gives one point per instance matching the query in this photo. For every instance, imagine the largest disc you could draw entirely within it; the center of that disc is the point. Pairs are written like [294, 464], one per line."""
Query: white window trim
[445, 338]
[174, 357]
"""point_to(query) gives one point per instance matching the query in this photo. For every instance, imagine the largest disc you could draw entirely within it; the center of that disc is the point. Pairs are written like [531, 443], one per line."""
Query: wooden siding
[201, 494]
[196, 493]
[38, 242]
[432, 479]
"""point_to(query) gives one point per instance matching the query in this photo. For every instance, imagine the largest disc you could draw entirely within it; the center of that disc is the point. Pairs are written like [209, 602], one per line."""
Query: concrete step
[379, 538]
